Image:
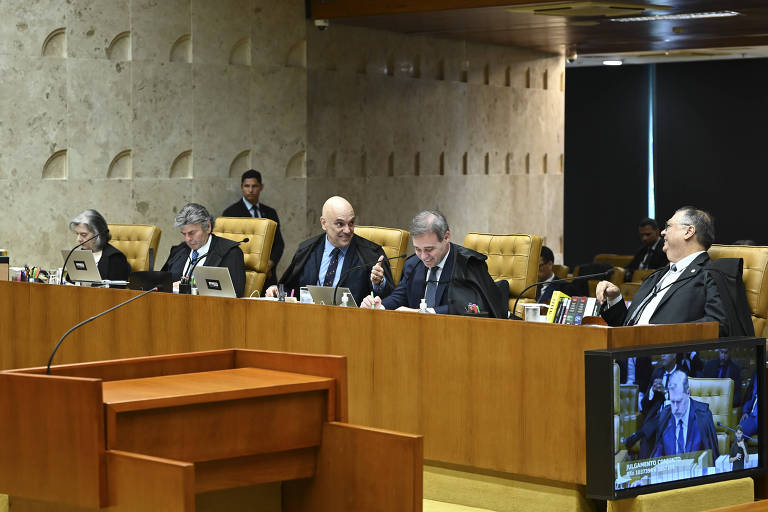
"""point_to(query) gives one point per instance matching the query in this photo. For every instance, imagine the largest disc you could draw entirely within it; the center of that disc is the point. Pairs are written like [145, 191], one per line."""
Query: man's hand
[377, 272]
[606, 290]
[404, 308]
[371, 303]
[271, 291]
[658, 386]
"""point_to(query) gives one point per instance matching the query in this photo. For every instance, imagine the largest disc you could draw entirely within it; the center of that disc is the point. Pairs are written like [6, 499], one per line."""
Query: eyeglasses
[669, 225]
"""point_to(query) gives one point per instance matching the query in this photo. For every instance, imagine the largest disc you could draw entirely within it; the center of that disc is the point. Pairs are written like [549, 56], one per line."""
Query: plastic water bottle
[345, 300]
[423, 306]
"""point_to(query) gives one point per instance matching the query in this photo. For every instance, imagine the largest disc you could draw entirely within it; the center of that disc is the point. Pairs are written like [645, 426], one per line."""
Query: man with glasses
[682, 292]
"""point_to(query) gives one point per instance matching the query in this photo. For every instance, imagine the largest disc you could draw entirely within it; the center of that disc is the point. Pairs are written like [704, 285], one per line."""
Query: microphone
[61, 340]
[734, 431]
[66, 260]
[600, 275]
[188, 274]
[335, 288]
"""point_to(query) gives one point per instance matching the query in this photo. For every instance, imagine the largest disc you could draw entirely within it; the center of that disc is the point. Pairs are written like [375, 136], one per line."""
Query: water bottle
[345, 300]
[423, 306]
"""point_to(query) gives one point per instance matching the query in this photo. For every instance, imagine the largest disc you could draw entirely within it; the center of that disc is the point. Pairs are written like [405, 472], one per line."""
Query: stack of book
[564, 309]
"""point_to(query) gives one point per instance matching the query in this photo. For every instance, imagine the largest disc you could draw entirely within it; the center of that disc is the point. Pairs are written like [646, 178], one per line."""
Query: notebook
[214, 282]
[81, 266]
[324, 295]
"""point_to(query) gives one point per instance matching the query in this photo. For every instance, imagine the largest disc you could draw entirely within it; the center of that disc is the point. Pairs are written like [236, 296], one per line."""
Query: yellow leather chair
[561, 271]
[628, 410]
[629, 288]
[617, 278]
[393, 241]
[138, 242]
[511, 257]
[718, 393]
[616, 410]
[617, 260]
[261, 233]
[755, 278]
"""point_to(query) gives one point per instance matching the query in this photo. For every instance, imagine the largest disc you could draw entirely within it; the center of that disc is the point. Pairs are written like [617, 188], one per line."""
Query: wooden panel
[257, 469]
[138, 482]
[44, 457]
[361, 469]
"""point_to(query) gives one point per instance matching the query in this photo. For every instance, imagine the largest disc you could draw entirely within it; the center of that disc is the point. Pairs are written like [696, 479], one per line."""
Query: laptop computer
[148, 279]
[81, 266]
[324, 295]
[214, 282]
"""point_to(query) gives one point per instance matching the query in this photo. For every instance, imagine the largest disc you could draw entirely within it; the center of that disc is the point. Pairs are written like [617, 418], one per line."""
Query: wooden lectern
[151, 432]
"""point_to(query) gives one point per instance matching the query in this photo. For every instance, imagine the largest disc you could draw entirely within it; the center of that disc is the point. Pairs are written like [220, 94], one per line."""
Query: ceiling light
[612, 63]
[691, 16]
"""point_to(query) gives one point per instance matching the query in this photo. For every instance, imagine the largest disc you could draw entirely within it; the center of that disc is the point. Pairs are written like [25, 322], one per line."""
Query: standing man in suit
[683, 292]
[686, 425]
[249, 206]
[451, 278]
[201, 247]
[329, 259]
[724, 368]
[651, 254]
[544, 291]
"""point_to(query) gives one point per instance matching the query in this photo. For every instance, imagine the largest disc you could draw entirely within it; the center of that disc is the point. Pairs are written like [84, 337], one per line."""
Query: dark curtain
[711, 139]
[606, 160]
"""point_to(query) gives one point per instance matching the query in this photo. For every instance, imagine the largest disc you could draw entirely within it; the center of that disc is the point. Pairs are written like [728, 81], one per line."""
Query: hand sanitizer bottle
[345, 300]
[423, 306]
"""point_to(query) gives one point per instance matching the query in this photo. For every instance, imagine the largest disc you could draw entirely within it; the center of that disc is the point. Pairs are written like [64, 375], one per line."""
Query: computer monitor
[674, 415]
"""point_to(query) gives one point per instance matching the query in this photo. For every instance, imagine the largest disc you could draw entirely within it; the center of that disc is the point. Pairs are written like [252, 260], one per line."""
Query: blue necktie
[192, 261]
[331, 272]
[680, 440]
[431, 290]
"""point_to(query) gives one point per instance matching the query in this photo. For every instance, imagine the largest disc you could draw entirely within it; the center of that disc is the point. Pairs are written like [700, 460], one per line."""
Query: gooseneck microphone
[185, 279]
[66, 260]
[61, 340]
[600, 275]
[363, 265]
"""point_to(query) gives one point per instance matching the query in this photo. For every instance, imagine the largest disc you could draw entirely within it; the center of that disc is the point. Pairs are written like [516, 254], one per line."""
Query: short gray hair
[194, 213]
[702, 221]
[96, 223]
[429, 221]
[679, 377]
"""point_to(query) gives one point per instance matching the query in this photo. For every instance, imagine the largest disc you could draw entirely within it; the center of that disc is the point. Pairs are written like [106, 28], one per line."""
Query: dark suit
[545, 297]
[657, 258]
[113, 265]
[730, 371]
[238, 209]
[694, 297]
[305, 266]
[651, 408]
[701, 431]
[464, 280]
[222, 253]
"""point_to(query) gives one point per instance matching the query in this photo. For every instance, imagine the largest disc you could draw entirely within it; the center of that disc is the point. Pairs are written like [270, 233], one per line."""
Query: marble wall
[400, 123]
[136, 107]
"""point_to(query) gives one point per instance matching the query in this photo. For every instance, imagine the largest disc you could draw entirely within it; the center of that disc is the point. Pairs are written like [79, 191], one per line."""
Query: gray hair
[679, 378]
[702, 221]
[194, 213]
[429, 221]
[96, 224]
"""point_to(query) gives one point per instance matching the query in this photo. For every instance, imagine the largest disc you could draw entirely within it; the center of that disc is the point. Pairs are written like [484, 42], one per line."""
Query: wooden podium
[149, 433]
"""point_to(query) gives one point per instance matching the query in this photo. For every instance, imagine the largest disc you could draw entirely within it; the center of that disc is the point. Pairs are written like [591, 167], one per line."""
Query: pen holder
[185, 288]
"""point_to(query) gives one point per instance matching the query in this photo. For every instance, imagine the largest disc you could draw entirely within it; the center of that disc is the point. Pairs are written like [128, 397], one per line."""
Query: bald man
[330, 258]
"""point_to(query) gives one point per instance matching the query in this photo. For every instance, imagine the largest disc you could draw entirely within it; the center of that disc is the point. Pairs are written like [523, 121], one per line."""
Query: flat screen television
[674, 415]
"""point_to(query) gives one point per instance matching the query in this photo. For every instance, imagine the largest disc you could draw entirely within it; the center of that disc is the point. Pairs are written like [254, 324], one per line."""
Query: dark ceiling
[490, 21]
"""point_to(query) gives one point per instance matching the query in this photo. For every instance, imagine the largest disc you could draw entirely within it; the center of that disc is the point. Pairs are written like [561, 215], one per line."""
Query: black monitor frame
[598, 372]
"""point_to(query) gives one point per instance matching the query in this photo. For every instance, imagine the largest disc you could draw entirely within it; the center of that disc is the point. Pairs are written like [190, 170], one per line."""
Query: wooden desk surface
[486, 393]
[189, 388]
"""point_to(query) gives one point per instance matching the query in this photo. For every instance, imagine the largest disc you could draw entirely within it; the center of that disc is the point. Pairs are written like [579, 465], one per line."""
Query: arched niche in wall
[240, 164]
[241, 52]
[56, 167]
[120, 47]
[121, 167]
[181, 51]
[55, 45]
[297, 166]
[182, 165]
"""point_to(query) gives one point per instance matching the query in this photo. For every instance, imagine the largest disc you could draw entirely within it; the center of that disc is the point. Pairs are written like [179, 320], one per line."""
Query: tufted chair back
[261, 233]
[393, 241]
[755, 278]
[514, 258]
[617, 260]
[138, 242]
[718, 393]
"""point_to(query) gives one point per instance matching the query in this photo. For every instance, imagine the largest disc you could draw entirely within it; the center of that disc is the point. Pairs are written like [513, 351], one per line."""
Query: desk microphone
[50, 359]
[363, 265]
[188, 274]
[600, 275]
[66, 260]
[734, 431]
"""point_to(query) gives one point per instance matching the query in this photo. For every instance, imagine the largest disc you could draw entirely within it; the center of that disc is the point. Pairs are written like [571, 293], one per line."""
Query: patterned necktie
[192, 262]
[431, 290]
[680, 440]
[331, 272]
[632, 320]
